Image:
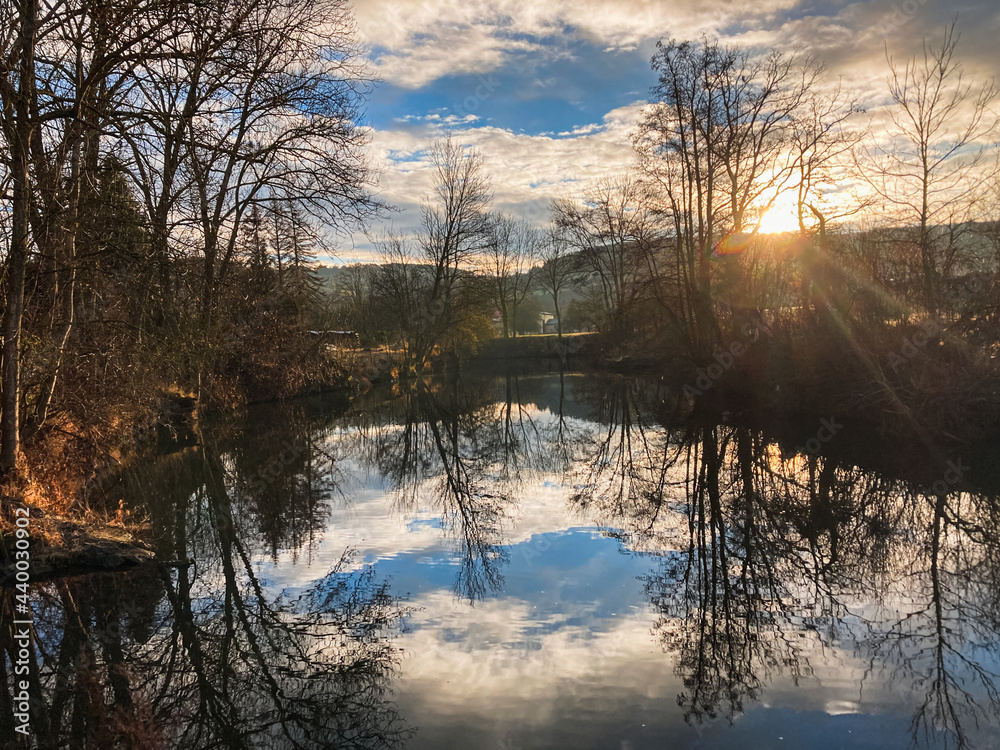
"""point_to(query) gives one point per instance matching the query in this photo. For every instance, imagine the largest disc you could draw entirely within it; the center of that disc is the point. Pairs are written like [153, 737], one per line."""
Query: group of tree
[896, 214]
[169, 170]
[468, 267]
[893, 215]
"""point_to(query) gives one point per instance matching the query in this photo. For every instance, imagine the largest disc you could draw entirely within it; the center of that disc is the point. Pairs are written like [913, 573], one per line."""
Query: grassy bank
[540, 346]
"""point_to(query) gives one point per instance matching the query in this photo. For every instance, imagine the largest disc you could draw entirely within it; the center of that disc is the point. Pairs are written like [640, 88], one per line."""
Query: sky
[550, 91]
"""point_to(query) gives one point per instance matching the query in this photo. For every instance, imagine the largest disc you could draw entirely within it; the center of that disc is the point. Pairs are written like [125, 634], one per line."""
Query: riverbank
[64, 473]
[909, 382]
[568, 347]
[62, 546]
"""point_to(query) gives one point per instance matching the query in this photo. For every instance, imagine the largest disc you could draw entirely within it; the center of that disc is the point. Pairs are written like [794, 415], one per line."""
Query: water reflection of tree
[200, 668]
[779, 562]
[730, 602]
[782, 563]
[280, 480]
[449, 447]
[947, 643]
[778, 565]
[467, 452]
[318, 664]
[631, 466]
[930, 560]
[203, 655]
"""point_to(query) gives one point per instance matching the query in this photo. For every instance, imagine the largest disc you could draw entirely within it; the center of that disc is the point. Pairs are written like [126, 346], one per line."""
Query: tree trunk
[65, 298]
[505, 316]
[18, 257]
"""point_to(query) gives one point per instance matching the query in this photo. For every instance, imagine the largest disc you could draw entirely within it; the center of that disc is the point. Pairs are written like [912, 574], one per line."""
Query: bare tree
[821, 144]
[714, 142]
[558, 271]
[616, 236]
[353, 298]
[529, 242]
[399, 288]
[20, 51]
[934, 157]
[228, 105]
[759, 96]
[425, 284]
[506, 262]
[284, 127]
[679, 143]
[456, 220]
[456, 229]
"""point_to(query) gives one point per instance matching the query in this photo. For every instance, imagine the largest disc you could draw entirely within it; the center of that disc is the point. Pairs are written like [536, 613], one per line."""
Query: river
[547, 560]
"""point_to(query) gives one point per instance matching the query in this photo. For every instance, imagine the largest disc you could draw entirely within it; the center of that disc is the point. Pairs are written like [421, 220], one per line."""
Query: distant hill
[328, 273]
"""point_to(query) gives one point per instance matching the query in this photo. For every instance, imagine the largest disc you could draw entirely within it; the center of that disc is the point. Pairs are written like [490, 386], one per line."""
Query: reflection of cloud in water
[497, 672]
[621, 580]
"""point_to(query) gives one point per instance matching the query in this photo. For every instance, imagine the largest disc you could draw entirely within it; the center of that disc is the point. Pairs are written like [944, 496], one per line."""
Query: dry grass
[50, 475]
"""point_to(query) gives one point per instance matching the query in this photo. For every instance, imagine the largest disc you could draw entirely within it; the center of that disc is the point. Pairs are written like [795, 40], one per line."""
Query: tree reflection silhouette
[207, 657]
[784, 561]
[444, 446]
[246, 671]
[779, 560]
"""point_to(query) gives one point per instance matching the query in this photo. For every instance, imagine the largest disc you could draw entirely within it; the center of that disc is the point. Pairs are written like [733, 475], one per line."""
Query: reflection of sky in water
[563, 653]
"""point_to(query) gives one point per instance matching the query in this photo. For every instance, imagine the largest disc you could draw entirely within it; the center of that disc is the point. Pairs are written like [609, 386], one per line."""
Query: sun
[780, 217]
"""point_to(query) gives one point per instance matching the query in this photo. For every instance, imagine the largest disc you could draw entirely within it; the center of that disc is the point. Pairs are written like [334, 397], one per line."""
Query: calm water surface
[543, 561]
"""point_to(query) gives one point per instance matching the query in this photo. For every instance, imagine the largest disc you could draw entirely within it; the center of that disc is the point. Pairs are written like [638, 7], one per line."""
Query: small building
[544, 318]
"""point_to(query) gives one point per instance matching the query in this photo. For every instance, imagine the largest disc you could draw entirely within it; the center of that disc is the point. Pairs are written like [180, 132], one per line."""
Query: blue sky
[550, 91]
[547, 98]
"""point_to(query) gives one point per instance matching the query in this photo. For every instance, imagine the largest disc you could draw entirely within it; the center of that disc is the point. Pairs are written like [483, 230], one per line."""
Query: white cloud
[451, 51]
[418, 42]
[421, 41]
[526, 170]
